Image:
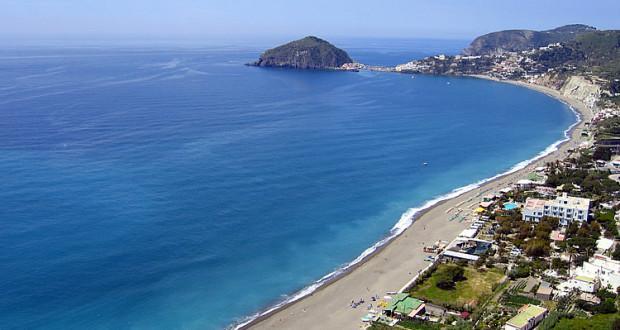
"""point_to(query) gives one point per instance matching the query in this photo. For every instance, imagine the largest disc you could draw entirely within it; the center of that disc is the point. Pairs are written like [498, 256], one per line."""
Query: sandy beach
[397, 262]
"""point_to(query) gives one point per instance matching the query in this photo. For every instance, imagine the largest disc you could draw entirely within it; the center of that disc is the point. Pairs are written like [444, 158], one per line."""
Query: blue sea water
[176, 188]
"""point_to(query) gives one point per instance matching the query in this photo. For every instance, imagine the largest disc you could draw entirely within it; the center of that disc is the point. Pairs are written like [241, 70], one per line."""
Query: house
[557, 236]
[604, 245]
[458, 256]
[582, 283]
[603, 268]
[589, 298]
[529, 316]
[487, 204]
[545, 291]
[564, 207]
[468, 249]
[526, 184]
[404, 306]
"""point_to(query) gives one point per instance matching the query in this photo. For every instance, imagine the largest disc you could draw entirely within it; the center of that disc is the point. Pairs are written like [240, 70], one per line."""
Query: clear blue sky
[453, 19]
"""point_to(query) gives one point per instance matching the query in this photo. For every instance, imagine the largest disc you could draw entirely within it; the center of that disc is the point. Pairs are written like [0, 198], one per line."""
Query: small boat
[425, 163]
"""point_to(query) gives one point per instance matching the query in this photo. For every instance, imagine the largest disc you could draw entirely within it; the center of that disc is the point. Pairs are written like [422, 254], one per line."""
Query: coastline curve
[408, 218]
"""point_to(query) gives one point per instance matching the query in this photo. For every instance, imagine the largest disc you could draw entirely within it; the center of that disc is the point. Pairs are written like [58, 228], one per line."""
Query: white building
[581, 283]
[603, 268]
[529, 316]
[533, 209]
[564, 207]
[604, 245]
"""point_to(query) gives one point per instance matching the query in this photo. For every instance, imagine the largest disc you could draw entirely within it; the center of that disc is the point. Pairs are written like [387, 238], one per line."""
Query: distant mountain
[518, 40]
[307, 53]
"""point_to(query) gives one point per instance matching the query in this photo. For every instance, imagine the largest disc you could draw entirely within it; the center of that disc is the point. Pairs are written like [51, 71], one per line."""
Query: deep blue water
[179, 189]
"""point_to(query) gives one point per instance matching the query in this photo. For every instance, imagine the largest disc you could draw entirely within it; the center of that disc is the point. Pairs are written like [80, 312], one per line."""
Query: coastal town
[541, 252]
[534, 249]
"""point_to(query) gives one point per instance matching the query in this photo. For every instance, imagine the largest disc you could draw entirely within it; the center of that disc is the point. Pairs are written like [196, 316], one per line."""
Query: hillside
[596, 52]
[519, 40]
[307, 53]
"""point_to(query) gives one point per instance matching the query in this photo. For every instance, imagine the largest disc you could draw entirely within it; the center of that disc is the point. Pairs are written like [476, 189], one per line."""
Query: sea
[173, 187]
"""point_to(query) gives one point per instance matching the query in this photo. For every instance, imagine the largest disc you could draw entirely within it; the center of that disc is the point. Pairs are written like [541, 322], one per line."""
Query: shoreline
[324, 303]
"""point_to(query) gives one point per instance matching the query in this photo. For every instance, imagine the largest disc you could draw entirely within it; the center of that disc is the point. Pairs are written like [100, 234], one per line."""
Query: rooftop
[572, 201]
[604, 243]
[557, 235]
[534, 203]
[585, 279]
[544, 290]
[403, 304]
[526, 313]
[469, 232]
[486, 204]
[460, 255]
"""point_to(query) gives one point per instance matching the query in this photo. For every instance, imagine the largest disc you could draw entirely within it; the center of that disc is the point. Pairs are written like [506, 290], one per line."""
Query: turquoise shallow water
[178, 189]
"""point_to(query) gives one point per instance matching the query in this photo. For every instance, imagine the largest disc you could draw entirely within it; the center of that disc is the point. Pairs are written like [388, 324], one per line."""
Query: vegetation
[465, 293]
[447, 276]
[591, 182]
[601, 50]
[551, 320]
[522, 270]
[516, 300]
[306, 53]
[419, 325]
[518, 40]
[601, 321]
[606, 219]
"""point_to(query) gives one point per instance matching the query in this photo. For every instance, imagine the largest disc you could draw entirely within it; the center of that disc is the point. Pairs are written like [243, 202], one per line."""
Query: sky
[238, 19]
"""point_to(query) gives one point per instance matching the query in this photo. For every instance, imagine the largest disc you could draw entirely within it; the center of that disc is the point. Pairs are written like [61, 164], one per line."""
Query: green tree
[537, 247]
[608, 306]
[449, 275]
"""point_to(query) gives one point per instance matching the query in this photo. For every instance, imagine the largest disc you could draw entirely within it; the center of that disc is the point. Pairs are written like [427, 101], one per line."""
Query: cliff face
[519, 40]
[306, 53]
[582, 89]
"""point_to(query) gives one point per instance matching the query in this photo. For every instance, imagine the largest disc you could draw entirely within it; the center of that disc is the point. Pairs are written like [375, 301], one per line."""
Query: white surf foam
[405, 221]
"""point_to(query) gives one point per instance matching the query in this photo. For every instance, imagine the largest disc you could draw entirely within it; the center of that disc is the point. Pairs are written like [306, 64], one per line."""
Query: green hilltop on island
[307, 53]
[519, 40]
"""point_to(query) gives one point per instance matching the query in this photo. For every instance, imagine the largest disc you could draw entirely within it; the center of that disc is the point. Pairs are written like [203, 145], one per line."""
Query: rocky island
[307, 53]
